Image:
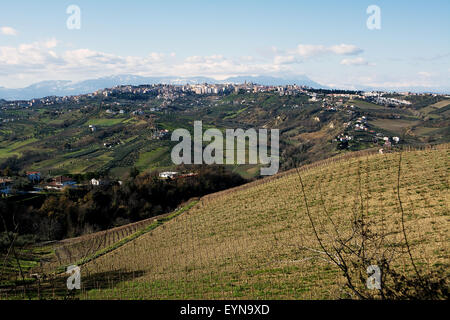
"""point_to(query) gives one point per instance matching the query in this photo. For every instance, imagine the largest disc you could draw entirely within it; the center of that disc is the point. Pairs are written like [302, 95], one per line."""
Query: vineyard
[76, 249]
[276, 238]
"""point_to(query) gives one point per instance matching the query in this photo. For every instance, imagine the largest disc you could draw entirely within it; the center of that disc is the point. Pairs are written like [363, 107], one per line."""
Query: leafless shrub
[370, 243]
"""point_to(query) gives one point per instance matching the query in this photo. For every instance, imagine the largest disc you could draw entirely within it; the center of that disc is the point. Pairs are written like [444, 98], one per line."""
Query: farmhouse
[60, 182]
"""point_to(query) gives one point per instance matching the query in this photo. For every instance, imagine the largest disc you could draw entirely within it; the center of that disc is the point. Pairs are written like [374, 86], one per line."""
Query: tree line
[78, 211]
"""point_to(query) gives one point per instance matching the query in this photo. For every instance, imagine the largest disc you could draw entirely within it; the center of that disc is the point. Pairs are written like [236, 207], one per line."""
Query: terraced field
[257, 242]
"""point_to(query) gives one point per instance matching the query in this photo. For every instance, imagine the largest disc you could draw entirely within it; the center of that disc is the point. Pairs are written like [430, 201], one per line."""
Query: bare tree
[369, 247]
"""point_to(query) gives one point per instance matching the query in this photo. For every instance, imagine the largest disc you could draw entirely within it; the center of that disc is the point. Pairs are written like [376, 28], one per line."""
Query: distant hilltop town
[170, 92]
[110, 132]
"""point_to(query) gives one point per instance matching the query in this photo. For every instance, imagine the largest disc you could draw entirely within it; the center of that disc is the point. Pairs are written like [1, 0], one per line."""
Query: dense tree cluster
[75, 212]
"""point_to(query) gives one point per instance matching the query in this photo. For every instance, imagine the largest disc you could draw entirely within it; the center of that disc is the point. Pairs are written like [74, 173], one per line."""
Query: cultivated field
[257, 241]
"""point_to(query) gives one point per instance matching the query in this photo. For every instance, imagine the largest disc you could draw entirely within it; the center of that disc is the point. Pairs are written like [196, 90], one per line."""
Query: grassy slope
[66, 143]
[396, 126]
[245, 243]
[436, 106]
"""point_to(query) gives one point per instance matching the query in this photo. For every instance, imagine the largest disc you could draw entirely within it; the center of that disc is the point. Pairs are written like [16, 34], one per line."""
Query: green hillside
[57, 139]
[257, 242]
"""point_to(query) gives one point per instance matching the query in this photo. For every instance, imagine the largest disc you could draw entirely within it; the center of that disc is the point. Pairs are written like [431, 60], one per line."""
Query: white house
[100, 182]
[61, 182]
[168, 174]
[95, 182]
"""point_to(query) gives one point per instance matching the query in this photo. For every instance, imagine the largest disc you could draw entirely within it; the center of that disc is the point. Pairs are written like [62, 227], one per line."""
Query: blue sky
[326, 40]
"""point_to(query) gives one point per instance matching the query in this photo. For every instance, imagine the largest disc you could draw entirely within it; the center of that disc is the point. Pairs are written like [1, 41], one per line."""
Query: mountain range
[67, 88]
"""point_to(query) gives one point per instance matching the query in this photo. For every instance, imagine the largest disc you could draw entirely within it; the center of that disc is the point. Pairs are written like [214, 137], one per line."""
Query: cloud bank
[8, 31]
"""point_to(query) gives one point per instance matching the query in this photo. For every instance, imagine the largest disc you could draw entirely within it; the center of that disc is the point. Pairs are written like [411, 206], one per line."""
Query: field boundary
[156, 223]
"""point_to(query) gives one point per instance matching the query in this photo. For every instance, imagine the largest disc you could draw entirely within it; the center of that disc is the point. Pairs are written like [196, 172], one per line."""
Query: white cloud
[8, 31]
[311, 50]
[285, 60]
[356, 62]
[37, 61]
[205, 59]
[50, 59]
[308, 51]
[345, 49]
[52, 43]
[32, 62]
[87, 57]
[219, 66]
[28, 54]
[425, 74]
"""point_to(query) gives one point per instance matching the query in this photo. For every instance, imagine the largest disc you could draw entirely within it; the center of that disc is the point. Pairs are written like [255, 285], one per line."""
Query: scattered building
[99, 182]
[61, 182]
[168, 174]
[159, 134]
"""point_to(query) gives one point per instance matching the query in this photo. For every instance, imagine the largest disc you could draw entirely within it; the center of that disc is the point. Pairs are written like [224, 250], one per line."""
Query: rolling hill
[257, 241]
[57, 140]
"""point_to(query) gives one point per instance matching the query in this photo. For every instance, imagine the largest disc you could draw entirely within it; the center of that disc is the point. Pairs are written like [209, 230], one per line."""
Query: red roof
[62, 179]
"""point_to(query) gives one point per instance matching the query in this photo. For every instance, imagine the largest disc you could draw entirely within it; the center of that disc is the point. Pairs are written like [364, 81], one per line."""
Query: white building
[168, 174]
[96, 182]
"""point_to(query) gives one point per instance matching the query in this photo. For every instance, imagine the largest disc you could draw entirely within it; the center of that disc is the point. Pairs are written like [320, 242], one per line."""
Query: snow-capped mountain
[66, 87]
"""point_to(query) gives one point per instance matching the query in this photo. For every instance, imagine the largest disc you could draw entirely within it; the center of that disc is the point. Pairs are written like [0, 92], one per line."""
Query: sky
[328, 41]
